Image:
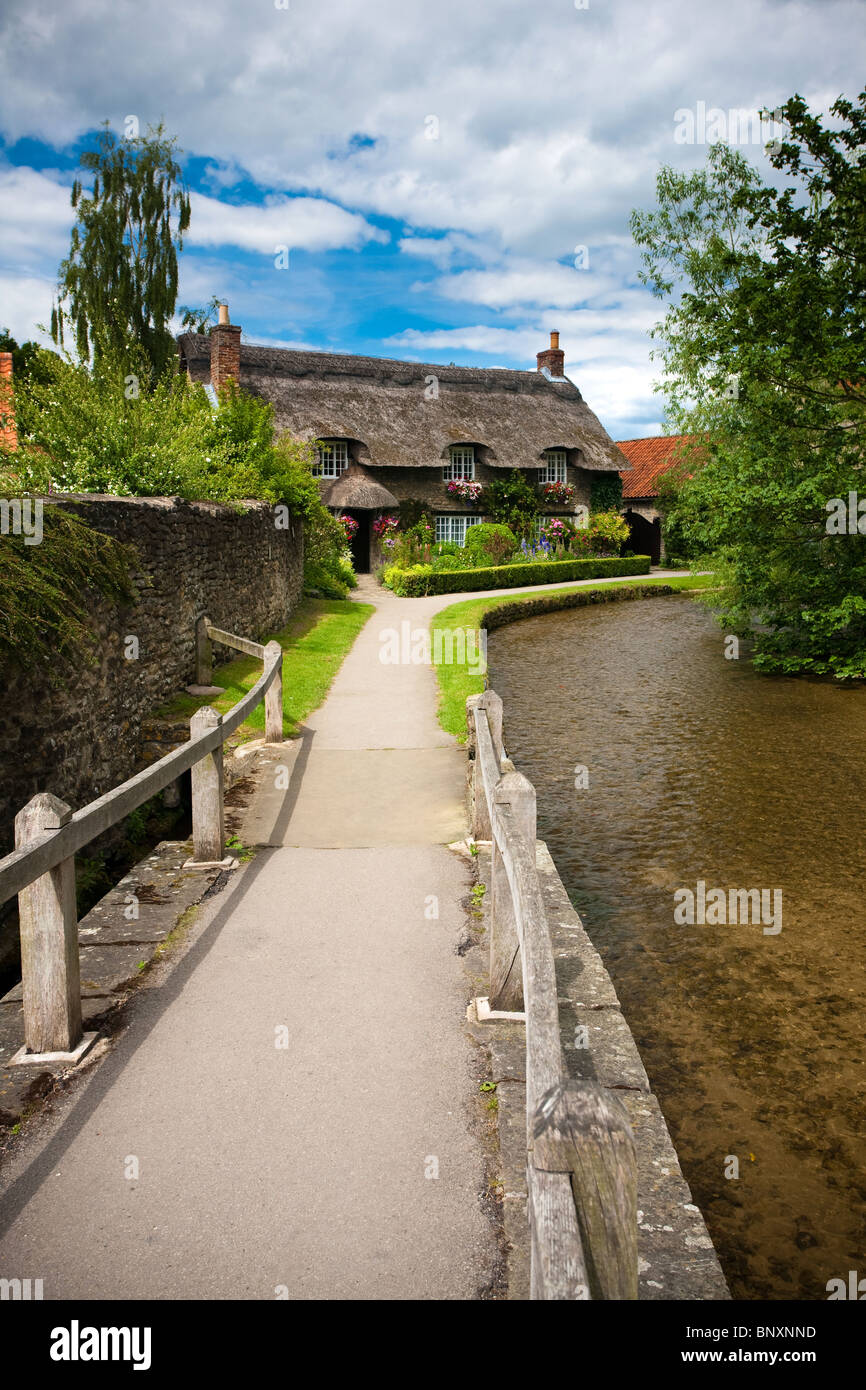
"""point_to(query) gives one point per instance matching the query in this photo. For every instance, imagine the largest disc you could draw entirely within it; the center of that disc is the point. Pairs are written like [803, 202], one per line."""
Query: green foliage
[605, 535]
[117, 288]
[511, 501]
[423, 579]
[605, 493]
[30, 362]
[768, 298]
[199, 320]
[45, 588]
[82, 431]
[414, 545]
[490, 543]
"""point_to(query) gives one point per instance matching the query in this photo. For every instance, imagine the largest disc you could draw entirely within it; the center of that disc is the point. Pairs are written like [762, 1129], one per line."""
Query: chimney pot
[224, 313]
[553, 358]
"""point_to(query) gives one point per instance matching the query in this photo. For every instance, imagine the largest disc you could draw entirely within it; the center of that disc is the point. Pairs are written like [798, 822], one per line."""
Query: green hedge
[409, 584]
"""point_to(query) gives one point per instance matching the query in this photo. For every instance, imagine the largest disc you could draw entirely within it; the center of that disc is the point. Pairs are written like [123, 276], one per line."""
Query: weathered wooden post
[490, 702]
[274, 695]
[583, 1130]
[50, 969]
[203, 653]
[516, 792]
[208, 827]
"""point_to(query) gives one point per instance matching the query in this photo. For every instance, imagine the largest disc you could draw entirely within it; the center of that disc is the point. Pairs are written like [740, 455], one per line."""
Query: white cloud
[35, 216]
[25, 300]
[307, 224]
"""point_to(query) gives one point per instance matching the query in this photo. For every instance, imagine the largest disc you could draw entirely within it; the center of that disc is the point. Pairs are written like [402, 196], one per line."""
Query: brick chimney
[553, 358]
[8, 432]
[225, 351]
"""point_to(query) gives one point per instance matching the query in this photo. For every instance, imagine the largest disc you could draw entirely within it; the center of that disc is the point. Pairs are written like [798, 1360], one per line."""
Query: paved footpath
[301, 1167]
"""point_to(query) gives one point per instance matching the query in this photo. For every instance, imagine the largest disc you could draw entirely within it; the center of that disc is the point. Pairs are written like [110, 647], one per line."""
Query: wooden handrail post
[274, 696]
[478, 813]
[506, 971]
[51, 975]
[203, 653]
[583, 1130]
[493, 704]
[208, 826]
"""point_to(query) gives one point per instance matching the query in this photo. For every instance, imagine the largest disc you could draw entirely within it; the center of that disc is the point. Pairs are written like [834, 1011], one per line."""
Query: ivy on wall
[45, 587]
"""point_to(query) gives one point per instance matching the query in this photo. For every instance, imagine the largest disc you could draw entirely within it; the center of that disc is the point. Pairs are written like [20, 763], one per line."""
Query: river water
[700, 770]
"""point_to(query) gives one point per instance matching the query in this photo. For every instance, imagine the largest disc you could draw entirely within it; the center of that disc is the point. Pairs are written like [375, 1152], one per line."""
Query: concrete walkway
[305, 1167]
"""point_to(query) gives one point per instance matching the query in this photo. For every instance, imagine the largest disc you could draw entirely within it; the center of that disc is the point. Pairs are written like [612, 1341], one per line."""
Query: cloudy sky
[452, 178]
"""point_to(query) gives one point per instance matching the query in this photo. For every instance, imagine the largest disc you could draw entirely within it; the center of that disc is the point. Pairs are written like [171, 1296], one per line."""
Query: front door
[359, 545]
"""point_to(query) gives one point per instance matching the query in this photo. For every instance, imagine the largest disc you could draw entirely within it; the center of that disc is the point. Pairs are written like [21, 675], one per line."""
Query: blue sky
[433, 169]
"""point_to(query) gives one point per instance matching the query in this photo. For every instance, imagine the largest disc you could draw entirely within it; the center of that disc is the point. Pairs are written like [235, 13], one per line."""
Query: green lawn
[314, 643]
[457, 682]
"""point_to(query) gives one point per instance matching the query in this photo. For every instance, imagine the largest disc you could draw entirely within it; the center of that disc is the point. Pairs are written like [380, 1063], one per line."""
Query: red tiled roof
[649, 458]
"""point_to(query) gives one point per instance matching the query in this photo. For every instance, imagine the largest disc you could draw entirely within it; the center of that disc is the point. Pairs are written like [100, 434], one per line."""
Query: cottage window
[554, 466]
[332, 458]
[453, 528]
[461, 465]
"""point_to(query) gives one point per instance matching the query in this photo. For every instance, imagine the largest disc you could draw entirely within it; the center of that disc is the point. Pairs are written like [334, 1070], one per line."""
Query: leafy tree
[118, 286]
[763, 346]
[201, 319]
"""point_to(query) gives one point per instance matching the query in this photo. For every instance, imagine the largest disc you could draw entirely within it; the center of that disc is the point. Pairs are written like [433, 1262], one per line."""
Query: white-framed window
[554, 466]
[332, 458]
[461, 465]
[453, 528]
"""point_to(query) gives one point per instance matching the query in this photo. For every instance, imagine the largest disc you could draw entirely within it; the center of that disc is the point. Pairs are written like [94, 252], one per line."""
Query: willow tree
[117, 287]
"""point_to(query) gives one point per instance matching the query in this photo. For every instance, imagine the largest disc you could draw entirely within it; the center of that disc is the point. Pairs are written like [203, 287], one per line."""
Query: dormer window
[461, 464]
[554, 466]
[332, 458]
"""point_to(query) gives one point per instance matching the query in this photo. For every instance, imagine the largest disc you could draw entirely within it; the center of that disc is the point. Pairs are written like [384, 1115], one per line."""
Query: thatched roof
[391, 408]
[355, 488]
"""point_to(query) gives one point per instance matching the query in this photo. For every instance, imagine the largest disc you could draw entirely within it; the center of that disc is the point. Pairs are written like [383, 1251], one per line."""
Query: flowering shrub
[561, 493]
[462, 488]
[603, 536]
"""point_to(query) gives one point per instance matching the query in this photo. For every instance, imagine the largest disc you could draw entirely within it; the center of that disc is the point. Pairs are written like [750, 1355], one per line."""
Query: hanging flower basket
[349, 525]
[384, 528]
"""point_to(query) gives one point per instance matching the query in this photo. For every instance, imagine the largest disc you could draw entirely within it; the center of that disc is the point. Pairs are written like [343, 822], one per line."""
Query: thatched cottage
[390, 431]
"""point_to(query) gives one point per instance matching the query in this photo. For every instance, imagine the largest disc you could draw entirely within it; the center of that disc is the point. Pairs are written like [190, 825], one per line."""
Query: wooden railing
[581, 1168]
[48, 835]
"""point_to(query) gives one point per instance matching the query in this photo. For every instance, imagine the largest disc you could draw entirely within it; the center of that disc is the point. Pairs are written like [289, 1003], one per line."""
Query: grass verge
[457, 681]
[314, 642]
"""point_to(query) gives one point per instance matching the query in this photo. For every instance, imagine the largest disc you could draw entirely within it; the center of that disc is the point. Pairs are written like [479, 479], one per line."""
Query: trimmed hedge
[414, 585]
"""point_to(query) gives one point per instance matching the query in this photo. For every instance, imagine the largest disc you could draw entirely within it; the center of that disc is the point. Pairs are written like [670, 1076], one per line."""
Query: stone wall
[81, 735]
